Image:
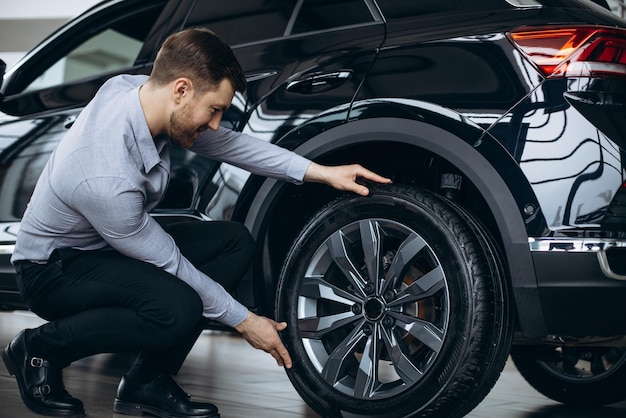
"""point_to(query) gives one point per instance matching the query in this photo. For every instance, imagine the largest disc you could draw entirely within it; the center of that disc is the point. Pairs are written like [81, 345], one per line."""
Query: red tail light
[583, 51]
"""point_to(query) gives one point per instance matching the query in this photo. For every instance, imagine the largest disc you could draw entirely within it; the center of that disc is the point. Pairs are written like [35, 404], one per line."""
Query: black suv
[503, 126]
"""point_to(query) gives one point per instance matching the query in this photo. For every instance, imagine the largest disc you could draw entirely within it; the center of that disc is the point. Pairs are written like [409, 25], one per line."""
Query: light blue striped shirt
[108, 172]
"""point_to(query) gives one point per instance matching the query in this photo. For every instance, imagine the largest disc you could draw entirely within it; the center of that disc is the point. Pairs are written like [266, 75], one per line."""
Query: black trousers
[104, 302]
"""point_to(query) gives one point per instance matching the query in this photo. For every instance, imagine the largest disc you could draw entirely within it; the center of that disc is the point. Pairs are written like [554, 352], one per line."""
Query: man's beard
[180, 133]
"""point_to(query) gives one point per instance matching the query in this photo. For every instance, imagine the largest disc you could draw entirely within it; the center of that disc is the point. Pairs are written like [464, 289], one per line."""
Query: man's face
[199, 113]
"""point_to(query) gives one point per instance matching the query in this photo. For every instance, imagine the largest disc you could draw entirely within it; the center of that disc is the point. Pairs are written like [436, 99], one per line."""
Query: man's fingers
[280, 353]
[282, 357]
[350, 175]
[359, 189]
[277, 357]
[370, 175]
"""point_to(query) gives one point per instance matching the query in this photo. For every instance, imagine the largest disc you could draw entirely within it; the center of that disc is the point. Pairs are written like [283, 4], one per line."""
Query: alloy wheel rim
[585, 364]
[373, 309]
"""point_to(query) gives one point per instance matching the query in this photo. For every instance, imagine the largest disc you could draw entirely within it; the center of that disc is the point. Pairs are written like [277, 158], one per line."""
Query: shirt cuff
[297, 168]
[233, 316]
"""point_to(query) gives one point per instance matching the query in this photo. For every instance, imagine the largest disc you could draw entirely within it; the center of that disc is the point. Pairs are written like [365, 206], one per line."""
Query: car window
[105, 52]
[316, 15]
[26, 147]
[243, 21]
[393, 9]
[114, 47]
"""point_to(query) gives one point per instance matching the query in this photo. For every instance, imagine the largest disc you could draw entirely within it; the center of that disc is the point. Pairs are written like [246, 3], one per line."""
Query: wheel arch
[434, 140]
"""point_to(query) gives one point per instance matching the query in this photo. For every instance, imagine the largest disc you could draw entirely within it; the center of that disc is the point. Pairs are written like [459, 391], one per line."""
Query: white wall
[23, 23]
[619, 7]
[43, 9]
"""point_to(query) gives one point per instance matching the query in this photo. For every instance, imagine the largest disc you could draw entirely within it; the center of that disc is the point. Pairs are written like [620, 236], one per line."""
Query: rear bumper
[581, 285]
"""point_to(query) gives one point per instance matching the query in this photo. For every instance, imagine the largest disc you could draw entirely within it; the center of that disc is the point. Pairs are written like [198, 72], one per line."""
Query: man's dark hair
[200, 55]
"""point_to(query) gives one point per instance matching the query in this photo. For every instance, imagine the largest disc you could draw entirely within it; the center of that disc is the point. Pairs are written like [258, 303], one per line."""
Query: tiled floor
[246, 383]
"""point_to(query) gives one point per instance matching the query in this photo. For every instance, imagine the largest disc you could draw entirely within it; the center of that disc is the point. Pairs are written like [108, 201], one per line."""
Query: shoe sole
[12, 367]
[135, 409]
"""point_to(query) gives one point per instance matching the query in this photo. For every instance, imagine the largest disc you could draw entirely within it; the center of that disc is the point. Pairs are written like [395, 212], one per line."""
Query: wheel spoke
[338, 251]
[371, 241]
[367, 374]
[318, 288]
[426, 332]
[597, 365]
[332, 370]
[318, 326]
[425, 287]
[408, 372]
[409, 248]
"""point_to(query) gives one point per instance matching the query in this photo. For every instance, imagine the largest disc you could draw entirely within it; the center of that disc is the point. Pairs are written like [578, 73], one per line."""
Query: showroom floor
[246, 383]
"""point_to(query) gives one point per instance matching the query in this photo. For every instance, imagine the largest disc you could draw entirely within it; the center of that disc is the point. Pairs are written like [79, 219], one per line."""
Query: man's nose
[214, 124]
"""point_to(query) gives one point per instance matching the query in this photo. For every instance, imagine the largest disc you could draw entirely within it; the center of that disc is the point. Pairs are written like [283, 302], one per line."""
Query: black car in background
[503, 126]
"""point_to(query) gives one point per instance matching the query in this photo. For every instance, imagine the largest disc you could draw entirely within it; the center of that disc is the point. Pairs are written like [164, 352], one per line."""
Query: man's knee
[174, 312]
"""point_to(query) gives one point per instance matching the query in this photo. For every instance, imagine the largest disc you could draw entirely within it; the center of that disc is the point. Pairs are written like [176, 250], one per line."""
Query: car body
[503, 126]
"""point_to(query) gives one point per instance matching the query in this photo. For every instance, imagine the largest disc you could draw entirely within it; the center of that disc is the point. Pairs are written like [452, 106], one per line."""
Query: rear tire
[583, 376]
[397, 306]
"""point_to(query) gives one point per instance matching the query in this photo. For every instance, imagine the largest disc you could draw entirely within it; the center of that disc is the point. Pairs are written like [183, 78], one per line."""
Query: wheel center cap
[373, 309]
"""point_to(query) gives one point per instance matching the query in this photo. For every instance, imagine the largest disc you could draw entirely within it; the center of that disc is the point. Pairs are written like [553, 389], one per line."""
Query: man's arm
[270, 160]
[252, 154]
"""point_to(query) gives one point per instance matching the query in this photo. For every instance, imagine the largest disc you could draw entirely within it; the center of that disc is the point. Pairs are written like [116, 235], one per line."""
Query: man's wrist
[242, 325]
[234, 316]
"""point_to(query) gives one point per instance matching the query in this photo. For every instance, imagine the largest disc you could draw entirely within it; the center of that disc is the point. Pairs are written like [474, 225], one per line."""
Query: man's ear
[182, 88]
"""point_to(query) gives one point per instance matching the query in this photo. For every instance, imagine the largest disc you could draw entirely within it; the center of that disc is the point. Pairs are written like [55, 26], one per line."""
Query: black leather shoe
[40, 383]
[161, 397]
